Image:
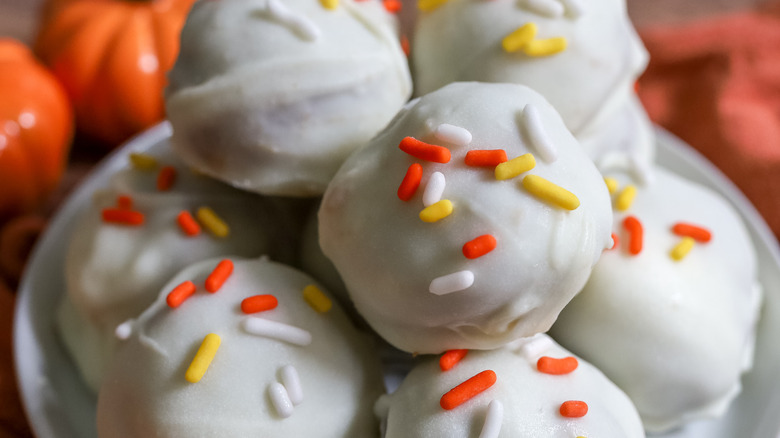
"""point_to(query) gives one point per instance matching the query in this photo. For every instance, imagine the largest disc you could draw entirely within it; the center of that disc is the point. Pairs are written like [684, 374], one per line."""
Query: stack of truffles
[505, 241]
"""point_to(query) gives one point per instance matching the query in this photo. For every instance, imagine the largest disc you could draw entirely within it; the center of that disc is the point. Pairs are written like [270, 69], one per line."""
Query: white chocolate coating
[675, 335]
[530, 399]
[338, 374]
[589, 83]
[388, 257]
[114, 272]
[275, 106]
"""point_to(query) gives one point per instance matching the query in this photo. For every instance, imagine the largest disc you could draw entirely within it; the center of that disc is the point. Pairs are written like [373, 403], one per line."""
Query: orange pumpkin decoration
[112, 57]
[36, 123]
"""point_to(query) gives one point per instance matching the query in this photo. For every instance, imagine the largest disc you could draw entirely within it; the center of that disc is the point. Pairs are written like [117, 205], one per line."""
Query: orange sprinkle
[259, 303]
[187, 223]
[574, 409]
[550, 365]
[123, 217]
[217, 278]
[411, 182]
[451, 358]
[468, 390]
[485, 157]
[124, 202]
[634, 228]
[425, 151]
[166, 178]
[479, 246]
[405, 46]
[689, 230]
[392, 6]
[180, 293]
[615, 241]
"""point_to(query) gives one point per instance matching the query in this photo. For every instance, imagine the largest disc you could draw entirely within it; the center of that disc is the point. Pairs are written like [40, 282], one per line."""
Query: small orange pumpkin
[112, 57]
[36, 123]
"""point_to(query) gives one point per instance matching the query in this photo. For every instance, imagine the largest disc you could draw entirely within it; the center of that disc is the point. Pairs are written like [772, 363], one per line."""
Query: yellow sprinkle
[515, 166]
[316, 298]
[612, 185]
[212, 222]
[330, 4]
[519, 38]
[547, 47]
[143, 161]
[626, 198]
[429, 5]
[682, 249]
[204, 356]
[437, 211]
[552, 193]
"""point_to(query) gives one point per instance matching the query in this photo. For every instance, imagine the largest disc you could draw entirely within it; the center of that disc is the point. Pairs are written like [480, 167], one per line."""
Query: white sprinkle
[534, 346]
[453, 134]
[641, 170]
[493, 420]
[297, 23]
[539, 139]
[450, 283]
[435, 189]
[292, 383]
[280, 399]
[547, 8]
[276, 330]
[124, 330]
[574, 8]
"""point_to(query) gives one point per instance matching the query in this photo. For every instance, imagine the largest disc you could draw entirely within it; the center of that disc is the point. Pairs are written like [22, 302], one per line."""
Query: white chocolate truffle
[273, 95]
[524, 402]
[674, 334]
[589, 81]
[114, 271]
[290, 371]
[411, 279]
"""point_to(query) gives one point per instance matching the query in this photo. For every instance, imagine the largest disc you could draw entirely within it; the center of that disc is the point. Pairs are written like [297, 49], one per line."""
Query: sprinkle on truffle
[437, 211]
[455, 282]
[276, 330]
[411, 182]
[550, 192]
[317, 299]
[468, 390]
[493, 419]
[209, 219]
[699, 233]
[550, 365]
[203, 358]
[180, 293]
[219, 275]
[635, 234]
[450, 358]
[434, 189]
[682, 249]
[258, 303]
[574, 409]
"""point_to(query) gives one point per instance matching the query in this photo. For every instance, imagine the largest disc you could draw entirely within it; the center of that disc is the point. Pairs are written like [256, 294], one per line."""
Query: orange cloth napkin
[715, 83]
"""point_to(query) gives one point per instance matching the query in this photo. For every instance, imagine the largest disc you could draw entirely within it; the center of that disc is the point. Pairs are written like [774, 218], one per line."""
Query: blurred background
[713, 80]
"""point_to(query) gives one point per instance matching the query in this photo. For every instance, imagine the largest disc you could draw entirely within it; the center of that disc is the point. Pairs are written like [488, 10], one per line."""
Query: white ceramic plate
[60, 406]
